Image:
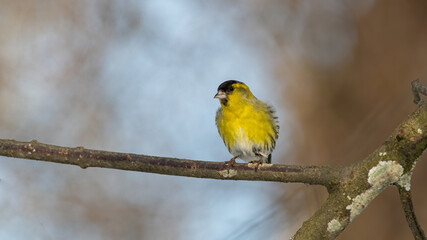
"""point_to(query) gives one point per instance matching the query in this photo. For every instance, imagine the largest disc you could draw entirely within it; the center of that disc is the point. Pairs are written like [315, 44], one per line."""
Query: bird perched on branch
[248, 126]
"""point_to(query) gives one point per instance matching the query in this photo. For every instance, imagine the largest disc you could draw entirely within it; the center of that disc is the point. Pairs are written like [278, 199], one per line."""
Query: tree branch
[418, 88]
[387, 165]
[408, 208]
[170, 166]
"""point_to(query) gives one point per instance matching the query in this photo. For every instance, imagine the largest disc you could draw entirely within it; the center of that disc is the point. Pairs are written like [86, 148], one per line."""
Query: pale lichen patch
[348, 197]
[259, 165]
[334, 225]
[379, 177]
[266, 165]
[382, 154]
[405, 180]
[228, 173]
[385, 172]
[419, 131]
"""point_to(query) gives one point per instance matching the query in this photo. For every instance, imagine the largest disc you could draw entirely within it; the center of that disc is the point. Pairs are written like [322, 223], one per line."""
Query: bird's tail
[269, 158]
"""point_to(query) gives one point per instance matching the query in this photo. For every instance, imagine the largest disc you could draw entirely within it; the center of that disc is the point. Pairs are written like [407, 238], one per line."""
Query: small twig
[418, 88]
[408, 208]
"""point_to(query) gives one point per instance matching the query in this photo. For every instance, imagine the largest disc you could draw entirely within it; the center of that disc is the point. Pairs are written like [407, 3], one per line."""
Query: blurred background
[140, 76]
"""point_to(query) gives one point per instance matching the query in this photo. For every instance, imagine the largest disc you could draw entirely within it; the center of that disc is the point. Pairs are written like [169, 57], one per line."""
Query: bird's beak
[220, 95]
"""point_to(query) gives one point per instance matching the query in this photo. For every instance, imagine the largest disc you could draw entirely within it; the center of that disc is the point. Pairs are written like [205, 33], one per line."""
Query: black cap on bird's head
[225, 88]
[228, 85]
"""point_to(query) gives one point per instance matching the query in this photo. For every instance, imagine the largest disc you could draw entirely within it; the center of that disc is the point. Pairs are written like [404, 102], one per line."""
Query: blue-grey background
[140, 76]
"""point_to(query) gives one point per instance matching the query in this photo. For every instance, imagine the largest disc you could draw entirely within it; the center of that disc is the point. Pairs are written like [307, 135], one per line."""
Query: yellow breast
[247, 125]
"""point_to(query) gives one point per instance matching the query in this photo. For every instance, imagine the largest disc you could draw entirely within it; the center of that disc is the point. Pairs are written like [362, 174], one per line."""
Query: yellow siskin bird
[248, 126]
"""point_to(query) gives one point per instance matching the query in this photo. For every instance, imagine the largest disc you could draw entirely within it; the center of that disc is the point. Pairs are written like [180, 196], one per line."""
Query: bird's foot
[258, 163]
[231, 162]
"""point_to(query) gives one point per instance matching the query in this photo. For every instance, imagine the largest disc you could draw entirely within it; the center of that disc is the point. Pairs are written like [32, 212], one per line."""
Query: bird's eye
[231, 89]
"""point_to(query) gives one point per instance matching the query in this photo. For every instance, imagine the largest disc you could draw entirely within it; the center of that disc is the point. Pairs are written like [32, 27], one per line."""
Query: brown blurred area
[344, 112]
[345, 77]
